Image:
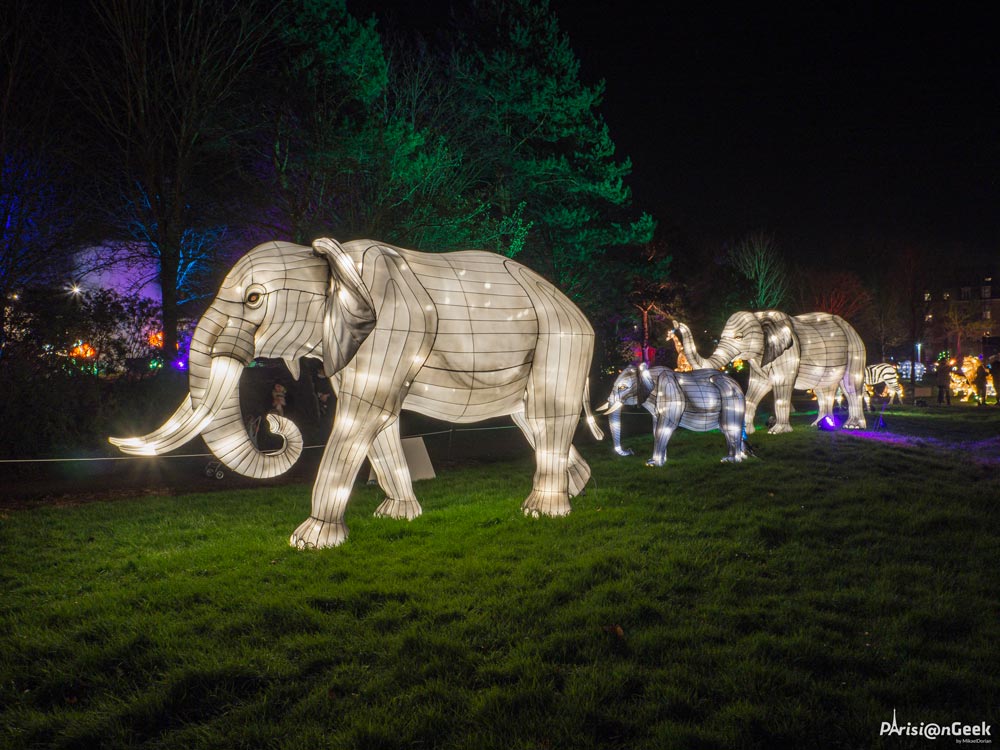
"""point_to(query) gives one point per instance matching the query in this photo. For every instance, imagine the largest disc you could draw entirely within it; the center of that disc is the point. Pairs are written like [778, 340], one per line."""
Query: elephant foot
[749, 429]
[541, 503]
[854, 424]
[778, 429]
[655, 461]
[316, 534]
[624, 451]
[392, 508]
[734, 459]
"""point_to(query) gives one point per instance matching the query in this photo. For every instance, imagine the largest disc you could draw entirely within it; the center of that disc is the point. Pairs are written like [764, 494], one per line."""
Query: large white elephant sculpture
[697, 400]
[817, 351]
[457, 336]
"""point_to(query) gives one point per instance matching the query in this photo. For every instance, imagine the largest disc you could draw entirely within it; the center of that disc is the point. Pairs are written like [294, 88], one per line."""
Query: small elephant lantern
[697, 400]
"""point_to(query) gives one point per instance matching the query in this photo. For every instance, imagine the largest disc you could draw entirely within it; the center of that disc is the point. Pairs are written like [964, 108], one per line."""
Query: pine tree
[551, 150]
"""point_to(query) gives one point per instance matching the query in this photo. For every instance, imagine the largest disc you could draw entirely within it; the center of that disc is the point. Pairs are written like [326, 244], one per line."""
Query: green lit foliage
[757, 260]
[364, 150]
[550, 149]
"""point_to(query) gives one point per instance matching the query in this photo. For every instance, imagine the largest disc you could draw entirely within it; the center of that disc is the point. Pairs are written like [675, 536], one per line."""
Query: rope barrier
[212, 456]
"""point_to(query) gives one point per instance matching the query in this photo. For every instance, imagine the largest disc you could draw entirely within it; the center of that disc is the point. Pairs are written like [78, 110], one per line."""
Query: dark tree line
[177, 132]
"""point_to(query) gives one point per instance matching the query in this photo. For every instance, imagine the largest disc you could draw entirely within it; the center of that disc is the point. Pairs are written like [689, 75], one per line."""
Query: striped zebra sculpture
[882, 373]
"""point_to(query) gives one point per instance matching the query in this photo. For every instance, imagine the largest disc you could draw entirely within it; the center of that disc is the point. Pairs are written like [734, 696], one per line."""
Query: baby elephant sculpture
[699, 400]
[457, 336]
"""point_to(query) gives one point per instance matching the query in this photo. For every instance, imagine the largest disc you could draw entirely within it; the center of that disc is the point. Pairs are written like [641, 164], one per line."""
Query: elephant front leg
[350, 439]
[782, 409]
[393, 473]
[757, 388]
[668, 416]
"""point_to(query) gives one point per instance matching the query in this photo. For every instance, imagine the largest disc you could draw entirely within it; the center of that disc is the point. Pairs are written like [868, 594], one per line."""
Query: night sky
[832, 127]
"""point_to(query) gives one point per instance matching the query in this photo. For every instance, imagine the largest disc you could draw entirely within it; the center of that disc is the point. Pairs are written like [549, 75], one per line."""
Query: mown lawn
[793, 601]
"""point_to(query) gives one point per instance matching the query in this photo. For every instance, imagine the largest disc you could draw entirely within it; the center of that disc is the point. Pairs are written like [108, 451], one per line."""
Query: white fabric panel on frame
[457, 336]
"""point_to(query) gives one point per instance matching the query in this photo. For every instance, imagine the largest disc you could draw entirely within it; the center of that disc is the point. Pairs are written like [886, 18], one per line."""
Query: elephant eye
[738, 336]
[254, 296]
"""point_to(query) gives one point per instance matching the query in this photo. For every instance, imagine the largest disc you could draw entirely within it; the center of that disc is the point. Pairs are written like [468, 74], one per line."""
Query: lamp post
[913, 370]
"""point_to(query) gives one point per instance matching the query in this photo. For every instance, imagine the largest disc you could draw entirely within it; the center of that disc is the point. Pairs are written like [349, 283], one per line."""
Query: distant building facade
[963, 312]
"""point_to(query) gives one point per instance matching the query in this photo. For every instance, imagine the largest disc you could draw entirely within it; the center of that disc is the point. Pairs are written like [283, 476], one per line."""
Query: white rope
[211, 455]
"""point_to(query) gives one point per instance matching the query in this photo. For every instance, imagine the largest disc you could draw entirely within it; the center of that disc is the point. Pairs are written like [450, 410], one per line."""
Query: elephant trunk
[615, 423]
[719, 358]
[212, 407]
[614, 411]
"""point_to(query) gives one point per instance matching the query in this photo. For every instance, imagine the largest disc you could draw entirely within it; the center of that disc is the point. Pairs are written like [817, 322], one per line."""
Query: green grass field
[792, 601]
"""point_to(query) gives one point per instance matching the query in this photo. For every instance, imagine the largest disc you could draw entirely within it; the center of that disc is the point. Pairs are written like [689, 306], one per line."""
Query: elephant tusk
[602, 408]
[174, 423]
[186, 423]
[614, 408]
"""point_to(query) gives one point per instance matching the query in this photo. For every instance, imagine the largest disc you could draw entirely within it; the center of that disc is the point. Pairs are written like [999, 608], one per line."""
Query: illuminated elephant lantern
[457, 336]
[697, 400]
[817, 351]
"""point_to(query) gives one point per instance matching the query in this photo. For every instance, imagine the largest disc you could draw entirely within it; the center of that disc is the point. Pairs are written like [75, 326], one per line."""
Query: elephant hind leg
[393, 474]
[550, 489]
[824, 403]
[553, 396]
[579, 469]
[579, 472]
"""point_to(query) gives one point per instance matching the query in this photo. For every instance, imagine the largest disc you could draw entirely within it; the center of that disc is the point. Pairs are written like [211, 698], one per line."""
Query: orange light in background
[83, 350]
[155, 339]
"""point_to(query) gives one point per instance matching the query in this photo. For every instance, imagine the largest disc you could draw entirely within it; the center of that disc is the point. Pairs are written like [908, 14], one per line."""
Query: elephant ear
[777, 338]
[349, 315]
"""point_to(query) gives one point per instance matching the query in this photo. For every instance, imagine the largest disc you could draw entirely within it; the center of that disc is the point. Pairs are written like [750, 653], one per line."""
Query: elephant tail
[591, 422]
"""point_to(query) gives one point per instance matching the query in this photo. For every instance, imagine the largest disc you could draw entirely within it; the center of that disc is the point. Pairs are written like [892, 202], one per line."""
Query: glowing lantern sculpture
[457, 336]
[817, 351]
[83, 350]
[697, 400]
[882, 373]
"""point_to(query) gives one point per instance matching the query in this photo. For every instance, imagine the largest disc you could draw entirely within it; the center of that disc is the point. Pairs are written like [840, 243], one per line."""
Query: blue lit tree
[158, 82]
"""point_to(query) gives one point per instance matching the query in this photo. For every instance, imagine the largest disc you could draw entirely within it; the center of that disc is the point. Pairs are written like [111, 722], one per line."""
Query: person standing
[980, 380]
[943, 380]
[279, 399]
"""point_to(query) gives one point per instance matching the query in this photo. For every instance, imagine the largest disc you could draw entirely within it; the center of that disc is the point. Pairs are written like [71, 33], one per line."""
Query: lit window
[927, 296]
[947, 295]
[929, 317]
